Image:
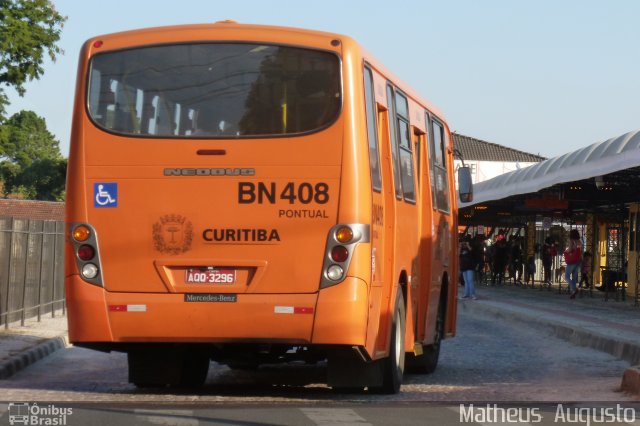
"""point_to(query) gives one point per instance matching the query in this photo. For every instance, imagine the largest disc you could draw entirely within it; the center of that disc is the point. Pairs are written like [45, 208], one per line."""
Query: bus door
[421, 294]
[441, 221]
[382, 210]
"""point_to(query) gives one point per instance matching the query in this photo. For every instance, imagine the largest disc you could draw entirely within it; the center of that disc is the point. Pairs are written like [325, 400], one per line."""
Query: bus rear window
[214, 90]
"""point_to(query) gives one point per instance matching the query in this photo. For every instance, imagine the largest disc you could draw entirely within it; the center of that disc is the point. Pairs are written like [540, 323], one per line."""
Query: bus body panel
[170, 318]
[340, 314]
[250, 210]
[87, 311]
[429, 261]
[200, 219]
[218, 218]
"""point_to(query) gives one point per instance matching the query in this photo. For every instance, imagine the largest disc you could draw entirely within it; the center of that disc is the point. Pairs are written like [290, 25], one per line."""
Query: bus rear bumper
[335, 315]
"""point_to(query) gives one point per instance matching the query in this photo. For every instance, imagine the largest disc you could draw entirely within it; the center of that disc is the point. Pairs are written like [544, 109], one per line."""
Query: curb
[631, 380]
[29, 356]
[620, 348]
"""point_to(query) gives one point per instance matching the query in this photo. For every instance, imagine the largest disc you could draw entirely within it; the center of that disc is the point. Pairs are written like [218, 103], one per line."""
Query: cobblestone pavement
[511, 345]
[489, 360]
[21, 346]
[589, 320]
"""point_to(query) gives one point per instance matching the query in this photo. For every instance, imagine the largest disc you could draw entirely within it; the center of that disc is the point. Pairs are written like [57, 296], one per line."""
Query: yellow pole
[284, 109]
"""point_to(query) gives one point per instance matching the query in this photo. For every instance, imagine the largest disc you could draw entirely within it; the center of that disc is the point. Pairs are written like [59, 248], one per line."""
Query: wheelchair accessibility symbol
[105, 195]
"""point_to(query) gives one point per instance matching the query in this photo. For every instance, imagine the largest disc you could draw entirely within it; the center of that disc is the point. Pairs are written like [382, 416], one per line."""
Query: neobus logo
[209, 172]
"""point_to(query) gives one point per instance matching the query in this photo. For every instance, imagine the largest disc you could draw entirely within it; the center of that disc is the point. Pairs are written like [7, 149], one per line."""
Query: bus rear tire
[393, 365]
[162, 365]
[195, 368]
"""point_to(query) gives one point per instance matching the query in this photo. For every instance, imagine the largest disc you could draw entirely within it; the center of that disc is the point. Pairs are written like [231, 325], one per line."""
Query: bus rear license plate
[210, 276]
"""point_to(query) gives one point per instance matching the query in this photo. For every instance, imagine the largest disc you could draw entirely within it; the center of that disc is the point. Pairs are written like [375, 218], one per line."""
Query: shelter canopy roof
[599, 159]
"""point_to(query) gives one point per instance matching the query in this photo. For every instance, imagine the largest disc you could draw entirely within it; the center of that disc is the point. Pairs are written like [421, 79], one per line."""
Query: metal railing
[31, 269]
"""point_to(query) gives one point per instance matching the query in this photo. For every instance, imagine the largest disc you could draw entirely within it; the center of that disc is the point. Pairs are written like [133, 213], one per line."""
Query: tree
[32, 165]
[29, 29]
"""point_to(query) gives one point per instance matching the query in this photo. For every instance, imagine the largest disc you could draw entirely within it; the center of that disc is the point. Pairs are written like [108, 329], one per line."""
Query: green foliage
[29, 29]
[31, 165]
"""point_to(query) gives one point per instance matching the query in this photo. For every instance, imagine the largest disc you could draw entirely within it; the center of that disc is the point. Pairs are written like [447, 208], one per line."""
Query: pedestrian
[467, 268]
[515, 264]
[531, 271]
[477, 249]
[548, 253]
[585, 272]
[572, 257]
[500, 258]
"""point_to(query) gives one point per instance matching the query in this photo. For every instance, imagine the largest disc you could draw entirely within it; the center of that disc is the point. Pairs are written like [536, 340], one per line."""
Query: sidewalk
[609, 326]
[22, 346]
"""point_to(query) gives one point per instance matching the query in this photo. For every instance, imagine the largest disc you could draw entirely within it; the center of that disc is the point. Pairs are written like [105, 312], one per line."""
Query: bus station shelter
[595, 189]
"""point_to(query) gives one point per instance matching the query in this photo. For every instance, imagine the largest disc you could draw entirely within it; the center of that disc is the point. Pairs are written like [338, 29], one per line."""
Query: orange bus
[252, 194]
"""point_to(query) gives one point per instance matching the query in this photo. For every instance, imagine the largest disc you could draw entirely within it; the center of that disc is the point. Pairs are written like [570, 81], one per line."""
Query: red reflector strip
[136, 308]
[128, 308]
[292, 310]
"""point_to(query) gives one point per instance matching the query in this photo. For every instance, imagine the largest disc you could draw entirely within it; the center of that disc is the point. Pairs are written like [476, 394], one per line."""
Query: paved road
[488, 361]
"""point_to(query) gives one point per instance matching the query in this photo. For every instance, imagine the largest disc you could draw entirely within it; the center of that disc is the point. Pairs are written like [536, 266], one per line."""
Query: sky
[544, 77]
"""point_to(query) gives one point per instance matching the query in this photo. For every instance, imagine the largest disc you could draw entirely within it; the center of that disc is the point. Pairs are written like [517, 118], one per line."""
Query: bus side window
[417, 141]
[393, 132]
[372, 131]
[439, 167]
[405, 148]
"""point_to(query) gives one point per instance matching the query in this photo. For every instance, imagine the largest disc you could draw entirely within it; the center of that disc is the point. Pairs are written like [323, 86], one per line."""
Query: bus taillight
[341, 243]
[90, 271]
[86, 252]
[81, 233]
[344, 234]
[85, 245]
[335, 273]
[339, 254]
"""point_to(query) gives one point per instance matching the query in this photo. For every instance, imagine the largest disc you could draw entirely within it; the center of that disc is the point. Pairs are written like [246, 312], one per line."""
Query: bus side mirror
[465, 184]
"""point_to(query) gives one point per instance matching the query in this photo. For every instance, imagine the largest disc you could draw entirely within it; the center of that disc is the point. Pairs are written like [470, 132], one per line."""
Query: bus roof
[226, 25]
[406, 88]
[258, 31]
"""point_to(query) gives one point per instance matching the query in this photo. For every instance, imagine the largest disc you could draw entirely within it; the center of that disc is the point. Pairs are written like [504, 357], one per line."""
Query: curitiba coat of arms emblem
[173, 234]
